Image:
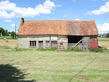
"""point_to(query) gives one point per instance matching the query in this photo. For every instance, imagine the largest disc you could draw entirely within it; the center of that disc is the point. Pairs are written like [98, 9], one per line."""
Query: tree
[2, 31]
[107, 35]
[13, 34]
[6, 33]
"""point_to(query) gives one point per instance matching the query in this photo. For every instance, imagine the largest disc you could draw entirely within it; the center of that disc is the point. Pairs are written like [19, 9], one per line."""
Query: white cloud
[65, 15]
[102, 10]
[6, 7]
[103, 28]
[4, 14]
[7, 20]
[77, 19]
[12, 25]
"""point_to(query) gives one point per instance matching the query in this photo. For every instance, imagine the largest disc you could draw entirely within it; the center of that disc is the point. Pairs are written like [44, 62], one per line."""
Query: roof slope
[58, 27]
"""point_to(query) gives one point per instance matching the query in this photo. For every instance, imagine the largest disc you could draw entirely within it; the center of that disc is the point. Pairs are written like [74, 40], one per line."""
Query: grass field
[11, 43]
[7, 37]
[103, 39]
[52, 66]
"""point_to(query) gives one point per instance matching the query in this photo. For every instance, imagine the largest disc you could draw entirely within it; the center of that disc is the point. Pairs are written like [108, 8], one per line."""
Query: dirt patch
[11, 43]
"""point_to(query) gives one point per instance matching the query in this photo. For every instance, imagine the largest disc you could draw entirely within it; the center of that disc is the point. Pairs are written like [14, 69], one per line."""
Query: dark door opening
[74, 39]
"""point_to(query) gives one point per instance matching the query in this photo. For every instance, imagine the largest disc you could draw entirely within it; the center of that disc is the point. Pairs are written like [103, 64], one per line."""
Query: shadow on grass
[8, 73]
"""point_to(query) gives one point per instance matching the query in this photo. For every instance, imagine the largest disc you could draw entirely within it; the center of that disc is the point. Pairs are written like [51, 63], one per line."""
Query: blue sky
[11, 11]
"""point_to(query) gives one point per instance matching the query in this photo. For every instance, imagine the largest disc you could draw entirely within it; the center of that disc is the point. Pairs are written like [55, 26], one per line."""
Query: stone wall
[24, 41]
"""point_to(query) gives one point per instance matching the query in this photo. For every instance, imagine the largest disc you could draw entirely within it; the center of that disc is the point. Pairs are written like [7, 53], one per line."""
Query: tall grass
[75, 49]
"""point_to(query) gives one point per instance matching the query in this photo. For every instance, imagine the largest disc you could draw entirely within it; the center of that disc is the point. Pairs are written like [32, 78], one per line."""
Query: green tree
[13, 34]
[2, 31]
[6, 33]
[107, 35]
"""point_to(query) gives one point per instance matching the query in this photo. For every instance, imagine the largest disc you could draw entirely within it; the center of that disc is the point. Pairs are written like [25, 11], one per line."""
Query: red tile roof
[58, 27]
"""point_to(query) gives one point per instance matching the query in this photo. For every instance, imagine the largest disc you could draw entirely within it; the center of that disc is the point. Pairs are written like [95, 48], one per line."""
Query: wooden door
[40, 44]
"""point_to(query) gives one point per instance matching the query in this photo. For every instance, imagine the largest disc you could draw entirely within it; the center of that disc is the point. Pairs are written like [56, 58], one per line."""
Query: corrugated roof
[58, 27]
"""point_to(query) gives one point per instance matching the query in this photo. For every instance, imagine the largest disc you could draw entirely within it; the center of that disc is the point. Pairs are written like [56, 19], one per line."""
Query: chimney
[22, 21]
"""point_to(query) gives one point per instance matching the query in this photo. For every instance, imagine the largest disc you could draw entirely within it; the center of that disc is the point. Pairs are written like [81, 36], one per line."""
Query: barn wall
[93, 42]
[64, 40]
[24, 41]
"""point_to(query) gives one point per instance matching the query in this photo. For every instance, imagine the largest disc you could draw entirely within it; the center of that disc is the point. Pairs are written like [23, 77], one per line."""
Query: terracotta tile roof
[58, 27]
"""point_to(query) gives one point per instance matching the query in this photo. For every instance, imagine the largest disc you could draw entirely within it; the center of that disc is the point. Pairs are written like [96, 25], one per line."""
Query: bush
[97, 49]
[75, 49]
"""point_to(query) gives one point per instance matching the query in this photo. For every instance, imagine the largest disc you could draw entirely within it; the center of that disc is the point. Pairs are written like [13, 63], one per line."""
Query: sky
[11, 11]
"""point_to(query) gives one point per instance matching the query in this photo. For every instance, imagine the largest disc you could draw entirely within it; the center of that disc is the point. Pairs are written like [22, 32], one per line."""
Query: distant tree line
[4, 32]
[107, 35]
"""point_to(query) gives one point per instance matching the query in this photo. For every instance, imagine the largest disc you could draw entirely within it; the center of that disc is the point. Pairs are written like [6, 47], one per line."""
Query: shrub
[75, 49]
[97, 49]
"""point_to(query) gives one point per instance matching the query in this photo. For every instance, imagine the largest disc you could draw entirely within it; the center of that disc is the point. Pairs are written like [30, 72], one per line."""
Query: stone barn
[61, 34]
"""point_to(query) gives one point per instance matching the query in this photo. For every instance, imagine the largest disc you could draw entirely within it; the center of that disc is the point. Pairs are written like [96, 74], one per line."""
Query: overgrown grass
[98, 49]
[75, 49]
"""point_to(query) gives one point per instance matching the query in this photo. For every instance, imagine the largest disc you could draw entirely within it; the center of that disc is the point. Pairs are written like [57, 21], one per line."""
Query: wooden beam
[77, 43]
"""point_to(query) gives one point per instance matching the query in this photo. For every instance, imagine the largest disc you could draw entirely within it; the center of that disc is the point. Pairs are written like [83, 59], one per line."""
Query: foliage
[75, 49]
[13, 34]
[107, 35]
[4, 32]
[98, 49]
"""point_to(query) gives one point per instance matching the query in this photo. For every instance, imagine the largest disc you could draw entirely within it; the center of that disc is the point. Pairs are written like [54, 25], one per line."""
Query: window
[53, 44]
[61, 44]
[47, 43]
[32, 43]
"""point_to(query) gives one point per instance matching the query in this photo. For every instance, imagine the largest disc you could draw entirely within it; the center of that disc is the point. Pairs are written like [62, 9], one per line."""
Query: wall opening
[53, 44]
[74, 39]
[40, 44]
[47, 44]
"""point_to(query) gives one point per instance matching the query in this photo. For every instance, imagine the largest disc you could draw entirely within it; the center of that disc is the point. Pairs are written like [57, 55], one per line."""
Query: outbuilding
[61, 34]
